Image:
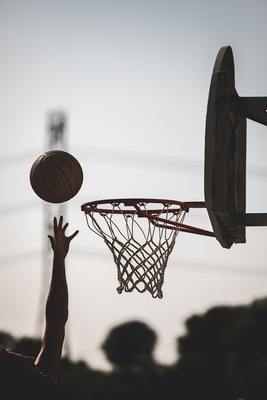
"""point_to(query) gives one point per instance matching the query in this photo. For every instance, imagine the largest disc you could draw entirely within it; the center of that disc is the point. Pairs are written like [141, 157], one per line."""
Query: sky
[133, 79]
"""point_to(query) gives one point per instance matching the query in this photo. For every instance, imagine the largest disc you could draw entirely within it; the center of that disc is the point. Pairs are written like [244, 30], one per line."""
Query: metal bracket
[253, 219]
[254, 108]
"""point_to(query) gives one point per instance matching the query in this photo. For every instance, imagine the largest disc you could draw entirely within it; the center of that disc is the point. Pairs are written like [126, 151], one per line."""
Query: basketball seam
[63, 177]
[38, 163]
[47, 186]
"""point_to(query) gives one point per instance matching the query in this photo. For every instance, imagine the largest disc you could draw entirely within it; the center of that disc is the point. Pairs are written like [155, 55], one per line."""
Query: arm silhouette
[56, 312]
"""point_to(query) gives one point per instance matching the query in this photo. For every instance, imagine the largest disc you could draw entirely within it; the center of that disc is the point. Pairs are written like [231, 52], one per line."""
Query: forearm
[56, 312]
[57, 301]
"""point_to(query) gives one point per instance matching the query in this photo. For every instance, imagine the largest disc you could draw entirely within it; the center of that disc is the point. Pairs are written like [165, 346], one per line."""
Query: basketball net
[140, 244]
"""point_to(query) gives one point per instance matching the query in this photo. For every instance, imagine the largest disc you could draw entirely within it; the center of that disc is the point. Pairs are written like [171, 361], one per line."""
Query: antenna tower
[56, 139]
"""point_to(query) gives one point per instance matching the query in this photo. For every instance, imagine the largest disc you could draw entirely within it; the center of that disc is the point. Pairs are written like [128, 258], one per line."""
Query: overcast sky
[133, 78]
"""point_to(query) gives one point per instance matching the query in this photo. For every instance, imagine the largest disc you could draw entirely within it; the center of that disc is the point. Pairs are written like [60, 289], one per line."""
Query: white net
[141, 241]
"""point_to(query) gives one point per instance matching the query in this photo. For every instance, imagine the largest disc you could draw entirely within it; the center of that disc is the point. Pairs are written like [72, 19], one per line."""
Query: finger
[60, 222]
[51, 241]
[65, 227]
[55, 225]
[73, 235]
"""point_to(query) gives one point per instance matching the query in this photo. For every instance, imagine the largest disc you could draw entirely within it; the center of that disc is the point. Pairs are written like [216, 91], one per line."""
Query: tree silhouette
[6, 340]
[130, 345]
[224, 353]
[27, 346]
[223, 356]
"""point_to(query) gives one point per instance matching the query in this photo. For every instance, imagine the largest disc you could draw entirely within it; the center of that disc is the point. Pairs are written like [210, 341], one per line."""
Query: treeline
[223, 355]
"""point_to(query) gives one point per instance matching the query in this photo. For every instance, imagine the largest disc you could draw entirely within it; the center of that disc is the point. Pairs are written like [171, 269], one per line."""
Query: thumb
[73, 235]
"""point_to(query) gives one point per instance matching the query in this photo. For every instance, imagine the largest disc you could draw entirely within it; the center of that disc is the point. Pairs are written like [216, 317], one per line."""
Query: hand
[60, 242]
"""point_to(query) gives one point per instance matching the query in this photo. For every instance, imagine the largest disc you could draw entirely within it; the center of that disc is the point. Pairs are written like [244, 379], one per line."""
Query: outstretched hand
[60, 242]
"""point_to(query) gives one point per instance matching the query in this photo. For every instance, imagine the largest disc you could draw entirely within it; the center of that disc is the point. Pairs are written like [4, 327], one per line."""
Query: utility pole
[56, 139]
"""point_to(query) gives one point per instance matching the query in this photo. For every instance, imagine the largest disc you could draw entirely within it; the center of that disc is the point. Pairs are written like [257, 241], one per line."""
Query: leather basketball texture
[56, 176]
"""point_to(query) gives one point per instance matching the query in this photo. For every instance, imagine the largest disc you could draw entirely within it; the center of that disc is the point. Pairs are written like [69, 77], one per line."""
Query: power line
[176, 264]
[137, 160]
[125, 158]
[19, 258]
[10, 208]
[29, 205]
[185, 264]
[18, 158]
[158, 161]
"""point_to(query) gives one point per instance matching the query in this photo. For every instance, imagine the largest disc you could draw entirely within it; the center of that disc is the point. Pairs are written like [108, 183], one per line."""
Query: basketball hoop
[140, 234]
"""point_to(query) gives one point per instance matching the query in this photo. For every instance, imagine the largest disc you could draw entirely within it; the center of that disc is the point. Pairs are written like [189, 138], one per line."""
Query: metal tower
[56, 139]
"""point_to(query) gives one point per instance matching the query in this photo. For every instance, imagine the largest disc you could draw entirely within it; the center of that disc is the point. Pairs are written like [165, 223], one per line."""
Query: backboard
[225, 152]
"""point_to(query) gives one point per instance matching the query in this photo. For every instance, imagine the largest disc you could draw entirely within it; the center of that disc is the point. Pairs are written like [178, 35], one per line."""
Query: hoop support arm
[254, 108]
[253, 219]
[195, 204]
[183, 227]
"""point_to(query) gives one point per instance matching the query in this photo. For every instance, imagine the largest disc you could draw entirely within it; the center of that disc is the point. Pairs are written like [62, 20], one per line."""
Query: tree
[130, 345]
[224, 353]
[6, 340]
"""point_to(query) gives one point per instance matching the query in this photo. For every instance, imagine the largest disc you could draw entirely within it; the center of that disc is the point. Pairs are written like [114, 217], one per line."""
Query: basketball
[56, 176]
